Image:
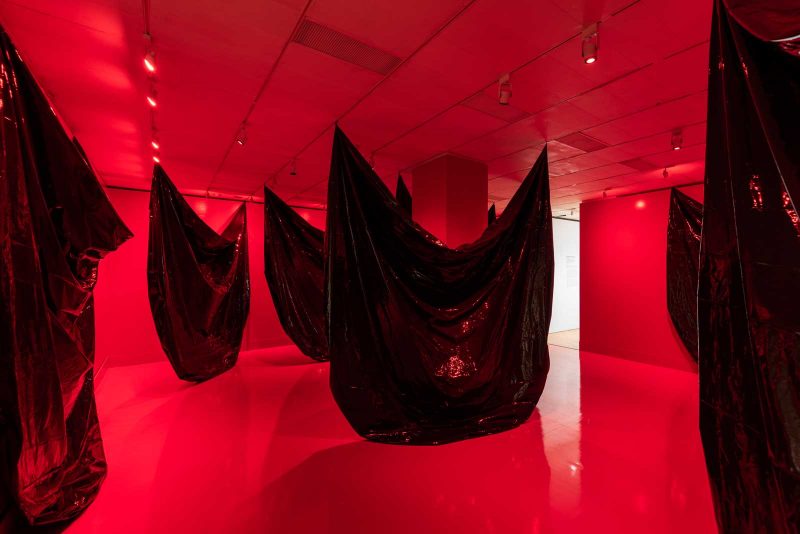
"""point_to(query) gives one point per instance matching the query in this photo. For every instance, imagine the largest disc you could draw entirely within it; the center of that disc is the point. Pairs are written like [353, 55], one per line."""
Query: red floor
[613, 447]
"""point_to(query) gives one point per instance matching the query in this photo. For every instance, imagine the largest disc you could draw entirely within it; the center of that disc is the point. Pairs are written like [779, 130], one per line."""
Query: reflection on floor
[569, 339]
[613, 447]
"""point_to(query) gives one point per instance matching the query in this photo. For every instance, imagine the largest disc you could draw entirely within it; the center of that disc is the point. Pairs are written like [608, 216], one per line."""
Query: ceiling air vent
[329, 41]
[639, 164]
[488, 104]
[582, 142]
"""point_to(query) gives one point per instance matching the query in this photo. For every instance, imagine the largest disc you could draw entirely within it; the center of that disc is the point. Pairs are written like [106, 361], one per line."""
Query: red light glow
[150, 63]
[640, 204]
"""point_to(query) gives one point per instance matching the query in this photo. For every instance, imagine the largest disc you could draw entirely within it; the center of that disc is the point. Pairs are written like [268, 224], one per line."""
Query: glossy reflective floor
[613, 447]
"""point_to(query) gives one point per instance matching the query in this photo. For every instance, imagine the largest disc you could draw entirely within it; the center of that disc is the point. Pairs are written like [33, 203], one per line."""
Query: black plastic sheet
[403, 196]
[56, 223]
[295, 271]
[683, 258]
[770, 20]
[749, 287]
[199, 284]
[430, 344]
[491, 215]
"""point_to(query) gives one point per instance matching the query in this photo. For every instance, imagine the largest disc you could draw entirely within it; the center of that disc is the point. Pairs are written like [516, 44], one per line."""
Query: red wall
[450, 195]
[623, 280]
[124, 325]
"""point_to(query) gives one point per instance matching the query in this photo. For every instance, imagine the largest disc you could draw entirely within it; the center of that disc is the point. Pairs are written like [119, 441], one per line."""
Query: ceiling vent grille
[488, 104]
[329, 41]
[639, 164]
[582, 141]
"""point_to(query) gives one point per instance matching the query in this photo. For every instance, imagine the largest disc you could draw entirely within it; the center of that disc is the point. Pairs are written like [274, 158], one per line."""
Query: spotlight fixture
[155, 145]
[156, 159]
[241, 137]
[151, 99]
[590, 43]
[293, 168]
[150, 62]
[677, 139]
[504, 89]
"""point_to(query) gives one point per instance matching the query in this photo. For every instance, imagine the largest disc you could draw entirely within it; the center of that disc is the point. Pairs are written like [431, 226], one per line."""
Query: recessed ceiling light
[677, 139]
[241, 137]
[590, 43]
[150, 62]
[504, 90]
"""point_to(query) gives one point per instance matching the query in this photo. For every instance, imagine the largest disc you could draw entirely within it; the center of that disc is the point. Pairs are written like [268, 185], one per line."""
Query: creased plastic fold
[749, 286]
[56, 223]
[683, 257]
[199, 284]
[295, 271]
[403, 196]
[430, 344]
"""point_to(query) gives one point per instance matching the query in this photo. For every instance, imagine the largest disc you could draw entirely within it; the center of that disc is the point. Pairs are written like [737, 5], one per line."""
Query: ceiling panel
[214, 59]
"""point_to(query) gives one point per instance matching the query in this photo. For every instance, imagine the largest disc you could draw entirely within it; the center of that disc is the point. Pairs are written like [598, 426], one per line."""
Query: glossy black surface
[199, 283]
[683, 257]
[492, 214]
[430, 344]
[403, 197]
[749, 286]
[56, 223]
[295, 271]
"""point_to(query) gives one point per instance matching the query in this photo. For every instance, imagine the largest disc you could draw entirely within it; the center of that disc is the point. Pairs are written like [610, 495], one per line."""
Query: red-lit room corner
[624, 280]
[221, 312]
[125, 331]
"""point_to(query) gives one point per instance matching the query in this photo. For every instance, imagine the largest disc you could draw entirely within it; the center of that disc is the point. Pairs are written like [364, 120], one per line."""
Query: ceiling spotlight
[155, 145]
[504, 89]
[151, 99]
[150, 62]
[677, 139]
[156, 159]
[293, 168]
[241, 137]
[590, 42]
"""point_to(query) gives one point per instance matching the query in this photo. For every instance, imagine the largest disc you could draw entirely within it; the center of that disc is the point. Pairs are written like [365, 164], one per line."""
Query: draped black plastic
[403, 196]
[749, 287]
[770, 20]
[295, 274]
[430, 344]
[492, 215]
[199, 284]
[683, 257]
[56, 223]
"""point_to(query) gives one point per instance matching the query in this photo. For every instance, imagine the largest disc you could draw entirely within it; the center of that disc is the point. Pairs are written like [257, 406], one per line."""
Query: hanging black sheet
[403, 196]
[683, 257]
[749, 286]
[430, 344]
[295, 275]
[56, 223]
[492, 215]
[199, 283]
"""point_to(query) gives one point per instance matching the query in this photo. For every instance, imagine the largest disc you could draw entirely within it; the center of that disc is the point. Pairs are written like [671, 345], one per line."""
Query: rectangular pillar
[450, 198]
